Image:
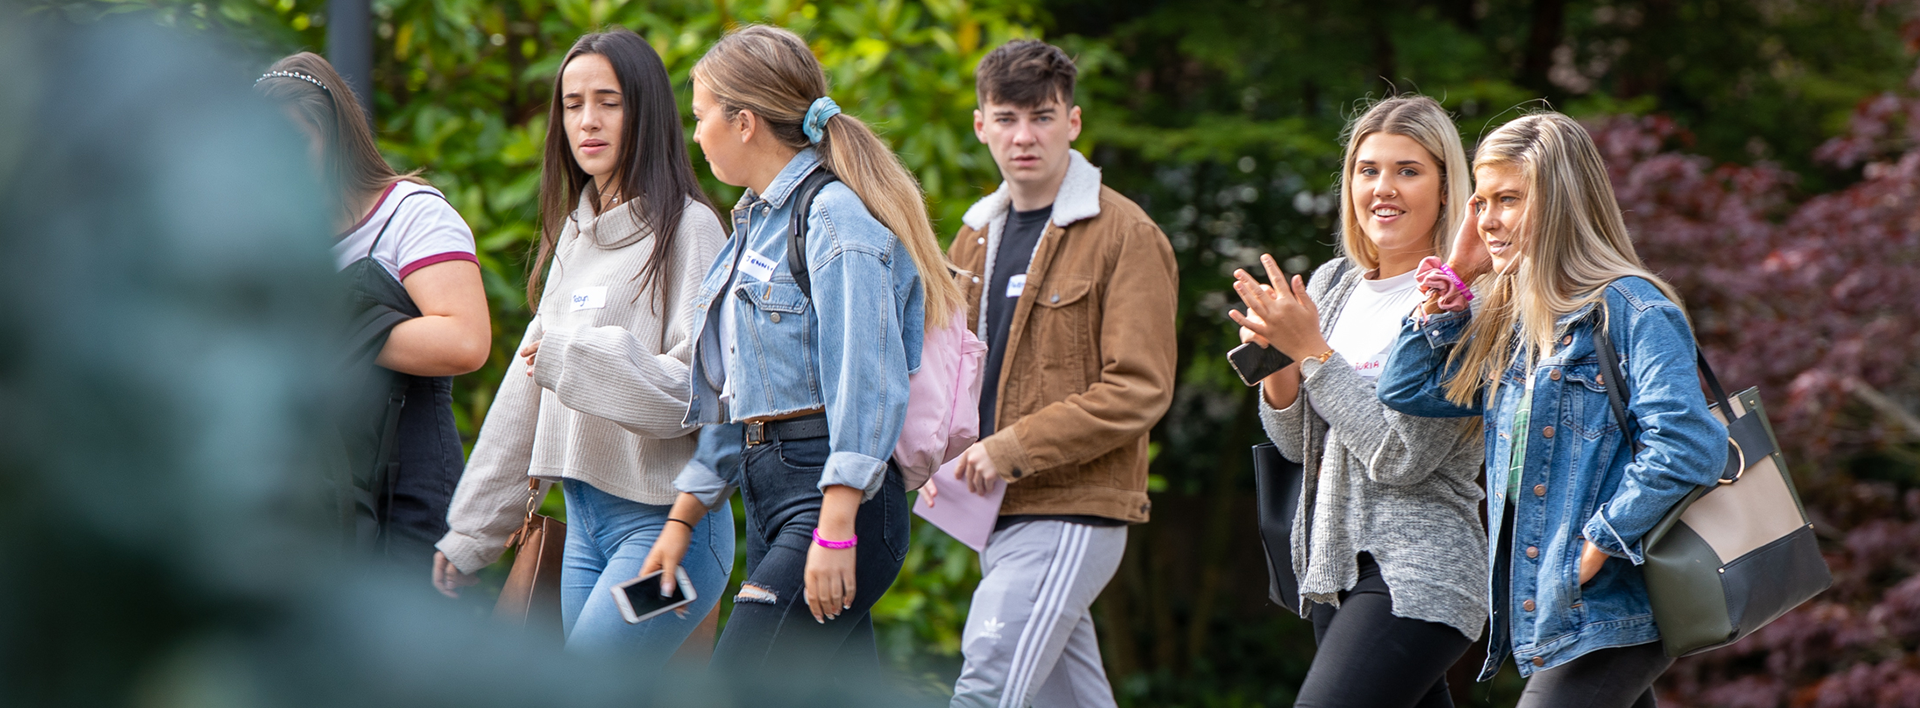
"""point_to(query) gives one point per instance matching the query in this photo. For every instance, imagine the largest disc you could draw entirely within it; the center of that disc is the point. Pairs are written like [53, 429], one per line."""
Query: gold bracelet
[1323, 357]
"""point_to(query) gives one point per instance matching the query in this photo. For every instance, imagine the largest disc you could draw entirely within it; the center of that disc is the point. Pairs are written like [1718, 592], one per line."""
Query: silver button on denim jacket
[849, 349]
[1581, 479]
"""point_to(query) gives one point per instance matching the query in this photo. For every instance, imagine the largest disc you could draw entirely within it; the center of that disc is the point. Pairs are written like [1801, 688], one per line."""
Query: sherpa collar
[1079, 197]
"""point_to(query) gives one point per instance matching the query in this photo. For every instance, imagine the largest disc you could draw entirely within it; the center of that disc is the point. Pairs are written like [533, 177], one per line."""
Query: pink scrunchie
[1435, 277]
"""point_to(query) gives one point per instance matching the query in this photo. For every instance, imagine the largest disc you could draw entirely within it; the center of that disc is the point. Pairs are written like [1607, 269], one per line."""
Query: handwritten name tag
[1016, 285]
[756, 265]
[589, 298]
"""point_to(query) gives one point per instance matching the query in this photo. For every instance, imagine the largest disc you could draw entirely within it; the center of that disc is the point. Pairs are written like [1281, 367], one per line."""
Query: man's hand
[977, 468]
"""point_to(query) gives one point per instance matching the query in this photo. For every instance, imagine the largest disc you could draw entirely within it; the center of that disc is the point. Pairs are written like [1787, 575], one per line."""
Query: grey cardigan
[1400, 487]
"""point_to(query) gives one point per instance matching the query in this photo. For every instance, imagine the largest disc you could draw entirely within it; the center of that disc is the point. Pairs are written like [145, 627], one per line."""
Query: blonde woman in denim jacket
[1568, 497]
[804, 396]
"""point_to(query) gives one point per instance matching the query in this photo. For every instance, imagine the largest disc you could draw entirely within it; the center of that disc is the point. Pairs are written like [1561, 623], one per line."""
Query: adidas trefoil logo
[990, 629]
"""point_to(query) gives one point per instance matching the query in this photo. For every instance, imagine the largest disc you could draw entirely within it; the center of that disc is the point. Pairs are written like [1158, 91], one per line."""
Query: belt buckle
[756, 433]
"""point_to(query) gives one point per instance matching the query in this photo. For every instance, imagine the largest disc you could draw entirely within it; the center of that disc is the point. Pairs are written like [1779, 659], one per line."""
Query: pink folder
[962, 514]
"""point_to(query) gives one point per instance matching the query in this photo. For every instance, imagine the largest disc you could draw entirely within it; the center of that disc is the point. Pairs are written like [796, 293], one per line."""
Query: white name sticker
[1016, 285]
[756, 265]
[591, 298]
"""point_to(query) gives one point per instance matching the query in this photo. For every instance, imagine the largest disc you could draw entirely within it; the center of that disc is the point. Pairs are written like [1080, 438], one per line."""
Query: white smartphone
[639, 599]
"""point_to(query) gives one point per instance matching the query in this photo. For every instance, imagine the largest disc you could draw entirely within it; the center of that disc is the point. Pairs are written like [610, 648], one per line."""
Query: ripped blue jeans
[771, 625]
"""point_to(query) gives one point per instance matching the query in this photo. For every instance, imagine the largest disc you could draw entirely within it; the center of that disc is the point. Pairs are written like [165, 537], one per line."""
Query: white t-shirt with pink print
[1370, 321]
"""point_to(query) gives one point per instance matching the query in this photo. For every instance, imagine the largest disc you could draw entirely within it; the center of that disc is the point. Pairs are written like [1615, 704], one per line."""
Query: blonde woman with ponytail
[1570, 494]
[804, 393]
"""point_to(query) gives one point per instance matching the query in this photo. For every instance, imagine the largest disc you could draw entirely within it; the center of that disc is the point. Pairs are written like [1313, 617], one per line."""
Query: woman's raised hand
[1469, 253]
[1282, 315]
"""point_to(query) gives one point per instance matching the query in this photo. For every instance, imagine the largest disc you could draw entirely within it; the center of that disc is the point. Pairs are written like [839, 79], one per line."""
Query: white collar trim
[1078, 199]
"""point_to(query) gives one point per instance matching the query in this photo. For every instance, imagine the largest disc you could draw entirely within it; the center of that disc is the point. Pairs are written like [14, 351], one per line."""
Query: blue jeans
[607, 540]
[774, 629]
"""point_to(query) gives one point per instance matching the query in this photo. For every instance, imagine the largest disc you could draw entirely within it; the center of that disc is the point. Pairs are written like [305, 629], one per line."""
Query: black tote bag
[1277, 483]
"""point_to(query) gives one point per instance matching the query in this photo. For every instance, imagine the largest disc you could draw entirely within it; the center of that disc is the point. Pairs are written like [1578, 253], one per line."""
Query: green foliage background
[1221, 118]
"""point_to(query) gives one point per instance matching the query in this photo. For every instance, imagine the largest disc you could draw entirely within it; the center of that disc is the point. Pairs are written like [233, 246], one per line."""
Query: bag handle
[1747, 436]
[533, 510]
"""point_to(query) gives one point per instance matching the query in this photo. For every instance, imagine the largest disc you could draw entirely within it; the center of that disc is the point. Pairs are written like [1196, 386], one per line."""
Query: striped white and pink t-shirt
[425, 231]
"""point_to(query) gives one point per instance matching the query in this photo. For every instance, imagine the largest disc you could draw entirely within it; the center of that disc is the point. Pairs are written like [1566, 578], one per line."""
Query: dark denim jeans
[782, 495]
[430, 461]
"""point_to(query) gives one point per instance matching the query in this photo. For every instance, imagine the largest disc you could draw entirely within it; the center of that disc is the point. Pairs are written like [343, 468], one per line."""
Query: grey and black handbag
[1732, 556]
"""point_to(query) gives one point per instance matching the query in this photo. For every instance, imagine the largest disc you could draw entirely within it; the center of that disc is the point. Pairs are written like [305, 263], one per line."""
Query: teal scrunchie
[815, 124]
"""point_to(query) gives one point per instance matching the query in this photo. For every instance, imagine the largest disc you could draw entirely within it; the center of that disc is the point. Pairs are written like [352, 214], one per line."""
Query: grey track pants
[1029, 637]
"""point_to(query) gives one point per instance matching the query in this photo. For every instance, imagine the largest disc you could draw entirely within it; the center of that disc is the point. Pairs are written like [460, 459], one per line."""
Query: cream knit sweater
[608, 394]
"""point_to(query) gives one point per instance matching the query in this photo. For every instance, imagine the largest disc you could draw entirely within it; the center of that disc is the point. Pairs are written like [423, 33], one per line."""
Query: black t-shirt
[1010, 262]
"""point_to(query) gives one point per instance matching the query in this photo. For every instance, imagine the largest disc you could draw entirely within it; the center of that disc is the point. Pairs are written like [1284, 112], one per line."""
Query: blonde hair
[1572, 240]
[1425, 122]
[770, 71]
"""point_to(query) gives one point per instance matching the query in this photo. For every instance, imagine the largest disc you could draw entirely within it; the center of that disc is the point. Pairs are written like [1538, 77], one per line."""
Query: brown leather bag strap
[533, 509]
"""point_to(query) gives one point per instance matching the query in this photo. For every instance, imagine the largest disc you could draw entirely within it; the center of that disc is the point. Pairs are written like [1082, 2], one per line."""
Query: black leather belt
[802, 428]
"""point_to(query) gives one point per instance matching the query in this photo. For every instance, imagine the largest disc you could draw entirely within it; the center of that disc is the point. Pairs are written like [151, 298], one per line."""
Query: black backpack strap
[802, 198]
[396, 212]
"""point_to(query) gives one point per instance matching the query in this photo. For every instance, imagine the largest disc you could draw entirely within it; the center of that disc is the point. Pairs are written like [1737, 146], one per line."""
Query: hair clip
[292, 75]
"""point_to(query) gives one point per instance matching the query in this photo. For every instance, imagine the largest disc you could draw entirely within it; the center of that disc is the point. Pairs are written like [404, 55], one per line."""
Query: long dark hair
[653, 169]
[352, 164]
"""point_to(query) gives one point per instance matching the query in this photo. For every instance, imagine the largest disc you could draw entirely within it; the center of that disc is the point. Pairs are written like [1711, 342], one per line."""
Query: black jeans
[781, 489]
[430, 462]
[1368, 658]
[1620, 677]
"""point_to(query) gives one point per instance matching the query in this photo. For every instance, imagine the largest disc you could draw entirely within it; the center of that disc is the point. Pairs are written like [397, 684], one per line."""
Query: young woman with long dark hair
[805, 393]
[1570, 495]
[1385, 543]
[400, 242]
[597, 396]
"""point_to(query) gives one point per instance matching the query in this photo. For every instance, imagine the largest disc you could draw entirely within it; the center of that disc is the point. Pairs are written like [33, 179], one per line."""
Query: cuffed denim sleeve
[715, 468]
[1603, 536]
[1415, 377]
[865, 317]
[1682, 446]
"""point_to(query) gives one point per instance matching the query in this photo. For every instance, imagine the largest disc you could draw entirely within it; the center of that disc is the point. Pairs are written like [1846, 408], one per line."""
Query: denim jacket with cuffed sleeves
[848, 349]
[1582, 478]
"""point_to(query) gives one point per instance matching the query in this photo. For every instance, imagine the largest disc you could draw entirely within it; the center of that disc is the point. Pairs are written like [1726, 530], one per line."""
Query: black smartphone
[1254, 362]
[639, 599]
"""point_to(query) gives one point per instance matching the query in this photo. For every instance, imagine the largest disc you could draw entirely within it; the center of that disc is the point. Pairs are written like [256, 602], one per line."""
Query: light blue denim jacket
[1581, 478]
[848, 349]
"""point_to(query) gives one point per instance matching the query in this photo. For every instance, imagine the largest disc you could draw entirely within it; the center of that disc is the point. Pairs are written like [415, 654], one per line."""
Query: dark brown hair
[352, 162]
[654, 169]
[1025, 73]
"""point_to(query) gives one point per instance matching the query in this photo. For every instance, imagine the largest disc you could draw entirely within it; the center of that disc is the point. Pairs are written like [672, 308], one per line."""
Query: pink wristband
[834, 545]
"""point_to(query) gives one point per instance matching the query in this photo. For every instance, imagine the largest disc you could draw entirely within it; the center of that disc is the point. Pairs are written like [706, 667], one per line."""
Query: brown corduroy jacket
[1090, 354]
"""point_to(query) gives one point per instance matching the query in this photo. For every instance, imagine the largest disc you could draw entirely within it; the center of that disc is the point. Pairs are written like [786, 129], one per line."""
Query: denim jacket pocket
[773, 319]
[1584, 402]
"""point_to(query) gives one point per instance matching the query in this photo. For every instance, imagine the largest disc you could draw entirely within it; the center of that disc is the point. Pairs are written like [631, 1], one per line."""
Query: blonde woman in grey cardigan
[596, 398]
[1387, 544]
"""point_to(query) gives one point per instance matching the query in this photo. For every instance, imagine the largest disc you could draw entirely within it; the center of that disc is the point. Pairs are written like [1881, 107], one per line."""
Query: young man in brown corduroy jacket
[1073, 289]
